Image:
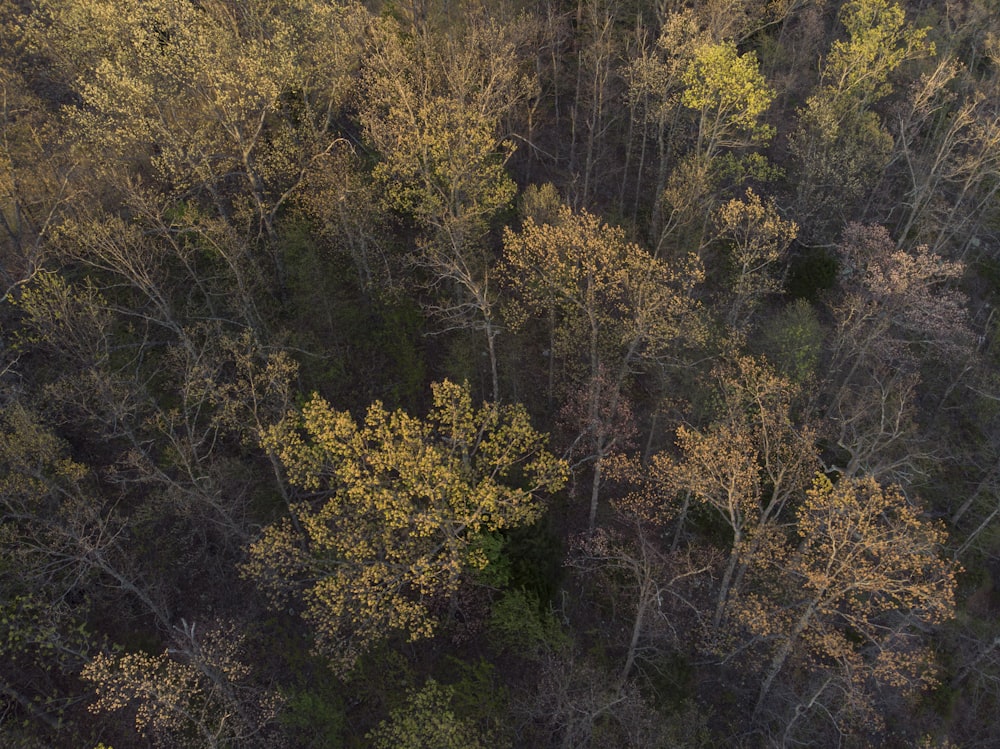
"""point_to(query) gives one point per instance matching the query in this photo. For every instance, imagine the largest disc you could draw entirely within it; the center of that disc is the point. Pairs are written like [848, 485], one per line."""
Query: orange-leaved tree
[865, 581]
[749, 463]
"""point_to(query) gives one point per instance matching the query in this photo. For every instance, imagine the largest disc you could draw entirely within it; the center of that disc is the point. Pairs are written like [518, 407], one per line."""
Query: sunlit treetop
[730, 92]
[400, 507]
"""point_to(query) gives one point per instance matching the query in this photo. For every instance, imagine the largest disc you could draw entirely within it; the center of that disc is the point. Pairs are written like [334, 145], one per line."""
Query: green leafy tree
[655, 84]
[429, 720]
[694, 69]
[792, 340]
[842, 146]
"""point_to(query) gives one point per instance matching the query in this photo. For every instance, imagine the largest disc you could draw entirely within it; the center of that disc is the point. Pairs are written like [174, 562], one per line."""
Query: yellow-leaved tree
[440, 129]
[233, 105]
[730, 95]
[725, 96]
[439, 126]
[398, 511]
[756, 238]
[200, 692]
[609, 304]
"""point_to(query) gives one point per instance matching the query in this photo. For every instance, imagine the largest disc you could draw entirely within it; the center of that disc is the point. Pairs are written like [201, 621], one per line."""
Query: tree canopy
[515, 374]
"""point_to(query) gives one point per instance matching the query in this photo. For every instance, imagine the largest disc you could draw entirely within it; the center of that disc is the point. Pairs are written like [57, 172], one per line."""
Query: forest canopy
[605, 373]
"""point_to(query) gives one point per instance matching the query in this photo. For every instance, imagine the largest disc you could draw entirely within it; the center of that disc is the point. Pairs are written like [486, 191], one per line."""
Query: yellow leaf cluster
[730, 92]
[436, 125]
[879, 40]
[194, 695]
[608, 294]
[191, 86]
[403, 501]
[757, 237]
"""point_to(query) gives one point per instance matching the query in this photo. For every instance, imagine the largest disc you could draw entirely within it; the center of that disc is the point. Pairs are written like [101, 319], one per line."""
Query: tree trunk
[594, 493]
[640, 615]
[491, 334]
[720, 603]
[778, 662]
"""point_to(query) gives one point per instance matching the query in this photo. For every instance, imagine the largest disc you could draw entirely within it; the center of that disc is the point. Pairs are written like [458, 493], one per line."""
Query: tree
[729, 95]
[946, 156]
[603, 291]
[428, 720]
[402, 504]
[864, 582]
[654, 88]
[717, 97]
[208, 97]
[56, 530]
[44, 645]
[740, 20]
[36, 168]
[600, 418]
[577, 703]
[842, 146]
[436, 126]
[757, 237]
[631, 561]
[198, 693]
[343, 201]
[168, 440]
[592, 118]
[792, 339]
[748, 464]
[605, 297]
[437, 129]
[895, 310]
[694, 70]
